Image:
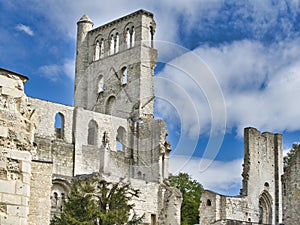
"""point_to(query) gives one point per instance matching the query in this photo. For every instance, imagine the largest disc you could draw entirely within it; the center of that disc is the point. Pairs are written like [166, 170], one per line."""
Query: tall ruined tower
[260, 200]
[115, 66]
[262, 172]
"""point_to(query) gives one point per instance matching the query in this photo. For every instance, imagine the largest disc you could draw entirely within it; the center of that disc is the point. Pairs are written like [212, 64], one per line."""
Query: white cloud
[260, 85]
[56, 72]
[221, 177]
[25, 29]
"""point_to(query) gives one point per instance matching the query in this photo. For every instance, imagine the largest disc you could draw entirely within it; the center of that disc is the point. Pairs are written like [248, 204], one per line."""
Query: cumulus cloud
[56, 72]
[260, 85]
[26, 29]
[221, 177]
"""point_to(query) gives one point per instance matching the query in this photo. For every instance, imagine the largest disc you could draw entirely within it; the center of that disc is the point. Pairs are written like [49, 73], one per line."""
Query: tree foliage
[93, 201]
[288, 158]
[191, 191]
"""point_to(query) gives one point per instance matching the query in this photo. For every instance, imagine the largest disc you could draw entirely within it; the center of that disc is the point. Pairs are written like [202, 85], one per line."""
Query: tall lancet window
[97, 51]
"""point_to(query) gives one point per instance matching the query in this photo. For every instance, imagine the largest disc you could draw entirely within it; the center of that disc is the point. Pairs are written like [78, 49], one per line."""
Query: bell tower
[115, 66]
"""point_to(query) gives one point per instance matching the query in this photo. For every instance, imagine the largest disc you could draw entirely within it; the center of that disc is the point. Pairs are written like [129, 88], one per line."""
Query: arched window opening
[100, 87]
[92, 133]
[59, 125]
[97, 51]
[265, 208]
[151, 37]
[63, 201]
[128, 38]
[267, 185]
[133, 37]
[208, 202]
[112, 45]
[121, 138]
[54, 200]
[117, 40]
[110, 105]
[124, 75]
[101, 48]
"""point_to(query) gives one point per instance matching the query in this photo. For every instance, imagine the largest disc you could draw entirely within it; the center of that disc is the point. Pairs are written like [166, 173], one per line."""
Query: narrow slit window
[117, 40]
[112, 45]
[100, 84]
[133, 37]
[124, 75]
[128, 38]
[97, 51]
[59, 125]
[102, 48]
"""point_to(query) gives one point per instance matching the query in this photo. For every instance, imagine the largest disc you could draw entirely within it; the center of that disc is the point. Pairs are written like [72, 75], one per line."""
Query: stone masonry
[111, 131]
[17, 125]
[291, 191]
[260, 200]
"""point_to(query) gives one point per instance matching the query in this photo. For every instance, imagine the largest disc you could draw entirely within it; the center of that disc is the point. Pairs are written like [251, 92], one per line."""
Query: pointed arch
[265, 208]
[92, 133]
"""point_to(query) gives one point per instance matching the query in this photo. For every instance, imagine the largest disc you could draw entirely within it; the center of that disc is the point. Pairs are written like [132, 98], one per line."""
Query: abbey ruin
[111, 130]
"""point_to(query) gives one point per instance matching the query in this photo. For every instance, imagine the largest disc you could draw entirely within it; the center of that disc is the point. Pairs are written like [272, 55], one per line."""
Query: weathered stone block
[11, 199]
[22, 189]
[10, 220]
[17, 210]
[7, 186]
[12, 92]
[24, 156]
[3, 132]
[26, 167]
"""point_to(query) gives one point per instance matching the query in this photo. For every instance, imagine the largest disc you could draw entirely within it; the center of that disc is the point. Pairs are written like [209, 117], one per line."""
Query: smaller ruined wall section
[169, 199]
[215, 207]
[16, 136]
[46, 123]
[51, 144]
[40, 190]
[291, 192]
[148, 145]
[209, 208]
[56, 151]
[105, 133]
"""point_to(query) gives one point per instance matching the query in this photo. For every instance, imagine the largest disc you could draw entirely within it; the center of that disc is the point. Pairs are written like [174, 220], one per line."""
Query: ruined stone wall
[40, 190]
[215, 207]
[263, 167]
[169, 203]
[101, 78]
[46, 123]
[16, 136]
[291, 192]
[261, 198]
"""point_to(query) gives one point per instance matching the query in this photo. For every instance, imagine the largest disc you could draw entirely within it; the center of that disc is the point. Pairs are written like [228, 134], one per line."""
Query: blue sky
[224, 65]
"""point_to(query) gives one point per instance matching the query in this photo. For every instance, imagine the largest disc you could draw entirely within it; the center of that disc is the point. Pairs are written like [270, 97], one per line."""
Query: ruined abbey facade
[111, 130]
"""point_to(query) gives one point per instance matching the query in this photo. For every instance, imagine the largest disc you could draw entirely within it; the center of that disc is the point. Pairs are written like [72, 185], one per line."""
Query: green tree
[93, 201]
[288, 158]
[191, 191]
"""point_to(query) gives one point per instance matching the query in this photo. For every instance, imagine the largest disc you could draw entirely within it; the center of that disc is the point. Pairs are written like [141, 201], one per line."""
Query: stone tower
[263, 167]
[115, 66]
